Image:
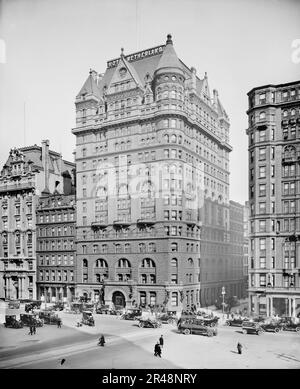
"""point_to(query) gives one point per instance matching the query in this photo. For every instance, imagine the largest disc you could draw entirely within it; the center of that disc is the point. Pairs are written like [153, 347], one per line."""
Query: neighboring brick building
[246, 245]
[28, 172]
[151, 147]
[274, 199]
[56, 250]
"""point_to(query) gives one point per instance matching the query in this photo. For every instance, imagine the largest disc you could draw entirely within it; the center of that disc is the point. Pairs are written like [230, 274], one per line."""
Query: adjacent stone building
[28, 172]
[274, 199]
[152, 147]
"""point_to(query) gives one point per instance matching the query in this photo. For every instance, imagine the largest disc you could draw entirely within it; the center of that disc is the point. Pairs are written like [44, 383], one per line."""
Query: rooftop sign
[136, 56]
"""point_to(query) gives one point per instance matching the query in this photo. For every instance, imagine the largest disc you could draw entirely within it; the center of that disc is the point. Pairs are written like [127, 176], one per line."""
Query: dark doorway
[118, 299]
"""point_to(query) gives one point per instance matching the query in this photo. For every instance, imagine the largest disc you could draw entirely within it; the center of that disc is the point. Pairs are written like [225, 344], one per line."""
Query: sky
[47, 48]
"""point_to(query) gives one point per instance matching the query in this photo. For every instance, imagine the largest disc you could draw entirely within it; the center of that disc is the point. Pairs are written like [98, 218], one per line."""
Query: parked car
[76, 307]
[210, 322]
[272, 327]
[32, 305]
[29, 319]
[235, 322]
[251, 327]
[167, 318]
[87, 318]
[12, 322]
[131, 314]
[49, 317]
[289, 325]
[196, 326]
[15, 304]
[149, 323]
[102, 309]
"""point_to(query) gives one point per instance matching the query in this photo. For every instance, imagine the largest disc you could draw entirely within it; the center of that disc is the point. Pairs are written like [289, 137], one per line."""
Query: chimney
[45, 161]
[216, 95]
[193, 83]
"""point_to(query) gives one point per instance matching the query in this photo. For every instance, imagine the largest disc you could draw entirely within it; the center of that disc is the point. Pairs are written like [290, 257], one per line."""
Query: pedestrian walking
[101, 341]
[161, 341]
[239, 348]
[34, 329]
[30, 331]
[59, 323]
[157, 350]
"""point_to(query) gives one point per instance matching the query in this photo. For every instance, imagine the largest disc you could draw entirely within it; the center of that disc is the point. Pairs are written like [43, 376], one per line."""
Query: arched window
[190, 262]
[174, 246]
[174, 262]
[101, 263]
[166, 138]
[123, 262]
[173, 138]
[147, 262]
[101, 192]
[84, 263]
[262, 115]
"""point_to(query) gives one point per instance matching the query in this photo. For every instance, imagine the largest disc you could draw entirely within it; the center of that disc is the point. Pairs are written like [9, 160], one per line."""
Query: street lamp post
[223, 296]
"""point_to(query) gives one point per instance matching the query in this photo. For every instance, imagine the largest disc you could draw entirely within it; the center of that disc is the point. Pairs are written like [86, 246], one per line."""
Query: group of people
[158, 347]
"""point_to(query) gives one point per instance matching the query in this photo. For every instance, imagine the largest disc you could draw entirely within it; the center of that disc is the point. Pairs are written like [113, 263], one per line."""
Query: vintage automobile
[76, 307]
[289, 325]
[235, 322]
[29, 319]
[49, 317]
[87, 318]
[167, 318]
[210, 322]
[272, 326]
[131, 314]
[32, 305]
[251, 327]
[12, 322]
[14, 304]
[149, 322]
[102, 309]
[196, 326]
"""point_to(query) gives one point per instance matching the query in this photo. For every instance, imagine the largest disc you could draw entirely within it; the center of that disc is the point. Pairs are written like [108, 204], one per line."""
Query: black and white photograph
[149, 188]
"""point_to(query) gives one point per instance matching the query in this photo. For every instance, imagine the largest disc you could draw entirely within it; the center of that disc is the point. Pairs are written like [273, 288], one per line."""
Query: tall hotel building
[151, 148]
[274, 199]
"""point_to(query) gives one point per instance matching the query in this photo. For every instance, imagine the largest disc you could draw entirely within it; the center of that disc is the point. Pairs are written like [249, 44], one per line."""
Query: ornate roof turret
[90, 87]
[169, 61]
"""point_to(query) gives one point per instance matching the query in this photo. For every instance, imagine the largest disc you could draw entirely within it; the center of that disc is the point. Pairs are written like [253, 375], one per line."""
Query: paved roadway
[129, 346]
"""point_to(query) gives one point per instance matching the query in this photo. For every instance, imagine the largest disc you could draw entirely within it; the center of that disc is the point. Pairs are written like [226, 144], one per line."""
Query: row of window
[17, 222]
[56, 275]
[54, 260]
[56, 217]
[265, 280]
[56, 245]
[124, 263]
[57, 231]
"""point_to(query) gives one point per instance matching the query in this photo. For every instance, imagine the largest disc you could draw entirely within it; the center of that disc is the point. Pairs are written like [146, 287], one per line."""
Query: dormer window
[122, 72]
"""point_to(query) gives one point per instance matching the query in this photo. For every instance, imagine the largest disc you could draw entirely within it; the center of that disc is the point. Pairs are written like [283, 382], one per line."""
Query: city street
[128, 346]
